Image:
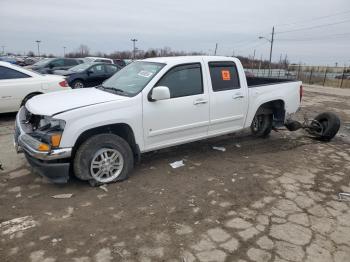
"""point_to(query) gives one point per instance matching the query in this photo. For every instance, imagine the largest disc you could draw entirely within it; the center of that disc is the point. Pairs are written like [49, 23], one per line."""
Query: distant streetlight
[64, 51]
[134, 47]
[271, 42]
[38, 43]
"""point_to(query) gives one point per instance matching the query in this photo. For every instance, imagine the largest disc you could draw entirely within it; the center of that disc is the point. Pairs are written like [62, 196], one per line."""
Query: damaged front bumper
[53, 164]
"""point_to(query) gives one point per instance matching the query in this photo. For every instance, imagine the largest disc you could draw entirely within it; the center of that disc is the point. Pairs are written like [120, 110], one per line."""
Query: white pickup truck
[99, 133]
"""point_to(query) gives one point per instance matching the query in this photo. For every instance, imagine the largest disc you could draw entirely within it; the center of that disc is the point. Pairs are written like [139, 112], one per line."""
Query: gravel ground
[273, 199]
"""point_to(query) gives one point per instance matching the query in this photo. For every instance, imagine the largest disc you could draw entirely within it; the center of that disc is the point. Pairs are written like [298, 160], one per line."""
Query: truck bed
[261, 81]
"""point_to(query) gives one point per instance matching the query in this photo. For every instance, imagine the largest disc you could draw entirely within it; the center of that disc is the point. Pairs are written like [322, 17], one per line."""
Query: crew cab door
[228, 98]
[182, 118]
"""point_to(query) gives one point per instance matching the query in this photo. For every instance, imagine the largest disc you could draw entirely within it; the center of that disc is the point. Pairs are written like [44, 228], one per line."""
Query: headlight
[49, 132]
[49, 123]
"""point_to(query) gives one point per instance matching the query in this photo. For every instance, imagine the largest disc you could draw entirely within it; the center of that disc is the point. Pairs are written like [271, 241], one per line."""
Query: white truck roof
[189, 59]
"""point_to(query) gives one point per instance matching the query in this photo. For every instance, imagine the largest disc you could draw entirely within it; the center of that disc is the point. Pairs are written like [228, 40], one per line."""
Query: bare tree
[31, 54]
[84, 50]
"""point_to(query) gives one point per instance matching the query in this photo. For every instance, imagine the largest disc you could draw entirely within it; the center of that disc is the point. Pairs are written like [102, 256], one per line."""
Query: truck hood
[62, 101]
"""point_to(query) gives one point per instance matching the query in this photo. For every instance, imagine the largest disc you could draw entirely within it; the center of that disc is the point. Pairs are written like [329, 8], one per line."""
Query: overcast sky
[189, 25]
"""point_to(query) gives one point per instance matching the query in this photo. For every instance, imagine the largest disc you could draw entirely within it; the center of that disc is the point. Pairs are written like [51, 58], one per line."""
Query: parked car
[128, 61]
[18, 85]
[9, 59]
[88, 74]
[119, 62]
[30, 61]
[248, 73]
[99, 59]
[99, 133]
[48, 65]
[346, 76]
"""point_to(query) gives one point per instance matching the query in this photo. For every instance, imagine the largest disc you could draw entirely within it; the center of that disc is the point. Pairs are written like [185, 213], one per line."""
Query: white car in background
[18, 85]
[99, 59]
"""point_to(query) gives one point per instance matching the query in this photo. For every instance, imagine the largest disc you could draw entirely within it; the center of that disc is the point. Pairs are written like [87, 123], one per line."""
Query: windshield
[133, 78]
[81, 67]
[43, 62]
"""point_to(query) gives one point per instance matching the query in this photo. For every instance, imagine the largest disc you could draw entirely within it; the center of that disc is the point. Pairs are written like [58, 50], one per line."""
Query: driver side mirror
[89, 72]
[51, 66]
[160, 93]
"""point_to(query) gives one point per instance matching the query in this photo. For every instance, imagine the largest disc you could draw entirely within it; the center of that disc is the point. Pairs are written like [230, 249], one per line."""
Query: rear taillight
[301, 91]
[63, 83]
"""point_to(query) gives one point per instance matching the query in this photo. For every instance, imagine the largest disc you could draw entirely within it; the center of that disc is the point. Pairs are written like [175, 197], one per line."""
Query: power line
[312, 27]
[314, 19]
[334, 36]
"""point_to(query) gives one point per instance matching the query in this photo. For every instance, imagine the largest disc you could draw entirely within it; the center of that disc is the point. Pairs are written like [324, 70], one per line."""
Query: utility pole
[272, 39]
[260, 64]
[216, 48]
[3, 49]
[271, 47]
[233, 52]
[64, 51]
[134, 49]
[253, 59]
[38, 43]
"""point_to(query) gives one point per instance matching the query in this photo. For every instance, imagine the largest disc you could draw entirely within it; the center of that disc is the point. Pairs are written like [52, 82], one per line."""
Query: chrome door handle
[236, 96]
[200, 101]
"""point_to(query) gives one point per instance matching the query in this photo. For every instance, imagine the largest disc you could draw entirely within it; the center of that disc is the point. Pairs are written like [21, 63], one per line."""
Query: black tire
[77, 84]
[86, 152]
[25, 100]
[261, 125]
[330, 123]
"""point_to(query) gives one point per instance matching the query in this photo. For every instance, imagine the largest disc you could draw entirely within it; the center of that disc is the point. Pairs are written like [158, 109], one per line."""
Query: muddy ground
[272, 199]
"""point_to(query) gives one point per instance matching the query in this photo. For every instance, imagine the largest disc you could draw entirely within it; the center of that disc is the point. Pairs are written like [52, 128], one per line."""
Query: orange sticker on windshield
[225, 74]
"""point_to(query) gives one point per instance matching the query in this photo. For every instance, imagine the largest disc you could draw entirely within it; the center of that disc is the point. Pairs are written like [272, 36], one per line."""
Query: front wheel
[102, 159]
[329, 126]
[261, 125]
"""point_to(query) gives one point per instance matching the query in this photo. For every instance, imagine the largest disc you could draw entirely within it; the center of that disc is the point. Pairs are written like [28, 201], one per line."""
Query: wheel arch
[30, 95]
[274, 107]
[121, 129]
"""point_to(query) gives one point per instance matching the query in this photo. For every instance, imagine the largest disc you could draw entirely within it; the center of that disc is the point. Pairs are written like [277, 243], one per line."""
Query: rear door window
[111, 69]
[8, 73]
[183, 80]
[224, 76]
[98, 69]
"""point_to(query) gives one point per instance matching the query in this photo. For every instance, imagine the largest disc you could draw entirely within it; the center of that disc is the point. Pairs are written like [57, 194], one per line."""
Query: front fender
[81, 120]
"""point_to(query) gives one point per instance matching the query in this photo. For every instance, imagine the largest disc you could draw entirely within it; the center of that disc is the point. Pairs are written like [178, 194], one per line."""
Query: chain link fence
[313, 75]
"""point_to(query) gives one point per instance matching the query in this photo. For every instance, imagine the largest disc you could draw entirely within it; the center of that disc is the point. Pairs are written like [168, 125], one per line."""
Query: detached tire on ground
[330, 123]
[103, 158]
[261, 125]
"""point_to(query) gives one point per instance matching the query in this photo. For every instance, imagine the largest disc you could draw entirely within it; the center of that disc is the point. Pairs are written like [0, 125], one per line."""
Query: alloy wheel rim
[78, 85]
[106, 165]
[256, 124]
